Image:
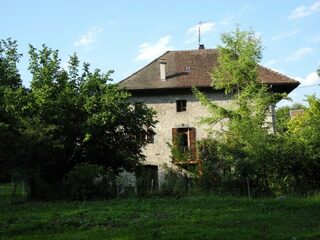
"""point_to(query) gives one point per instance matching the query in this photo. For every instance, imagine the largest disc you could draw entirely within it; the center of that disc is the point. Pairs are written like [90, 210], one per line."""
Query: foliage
[147, 181]
[67, 117]
[177, 182]
[283, 116]
[304, 132]
[245, 143]
[178, 154]
[88, 181]
[196, 217]
[215, 166]
[237, 61]
[258, 162]
[12, 107]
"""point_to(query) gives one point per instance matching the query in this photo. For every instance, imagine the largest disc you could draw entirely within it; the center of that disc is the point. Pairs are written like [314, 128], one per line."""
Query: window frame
[181, 105]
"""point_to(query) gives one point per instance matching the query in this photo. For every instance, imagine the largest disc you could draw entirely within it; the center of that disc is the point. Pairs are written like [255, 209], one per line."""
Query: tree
[11, 106]
[67, 117]
[304, 132]
[246, 142]
[110, 122]
[283, 116]
[79, 117]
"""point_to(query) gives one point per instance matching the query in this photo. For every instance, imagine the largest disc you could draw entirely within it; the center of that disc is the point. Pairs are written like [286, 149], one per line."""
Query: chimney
[163, 63]
[201, 46]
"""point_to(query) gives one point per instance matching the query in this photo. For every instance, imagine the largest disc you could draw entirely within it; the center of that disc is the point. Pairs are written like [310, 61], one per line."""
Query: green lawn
[199, 217]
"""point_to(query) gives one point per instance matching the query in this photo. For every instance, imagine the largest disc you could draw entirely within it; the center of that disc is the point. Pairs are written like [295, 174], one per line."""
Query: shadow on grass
[197, 217]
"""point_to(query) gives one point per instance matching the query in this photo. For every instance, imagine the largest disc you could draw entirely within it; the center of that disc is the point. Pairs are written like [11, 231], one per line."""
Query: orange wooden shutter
[192, 141]
[175, 143]
[175, 137]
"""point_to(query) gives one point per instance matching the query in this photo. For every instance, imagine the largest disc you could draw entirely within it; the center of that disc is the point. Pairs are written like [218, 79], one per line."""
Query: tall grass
[193, 217]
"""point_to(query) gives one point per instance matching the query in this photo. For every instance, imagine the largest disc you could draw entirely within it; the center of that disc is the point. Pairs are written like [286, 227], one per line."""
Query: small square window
[146, 136]
[150, 138]
[181, 105]
[138, 106]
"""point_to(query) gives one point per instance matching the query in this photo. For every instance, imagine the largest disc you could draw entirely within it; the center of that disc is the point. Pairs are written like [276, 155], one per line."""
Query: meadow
[191, 217]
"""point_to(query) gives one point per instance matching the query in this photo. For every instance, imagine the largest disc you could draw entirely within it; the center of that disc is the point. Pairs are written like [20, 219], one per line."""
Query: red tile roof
[191, 68]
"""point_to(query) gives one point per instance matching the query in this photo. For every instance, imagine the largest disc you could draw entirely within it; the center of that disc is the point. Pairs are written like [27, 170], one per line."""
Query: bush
[215, 169]
[147, 180]
[176, 183]
[89, 181]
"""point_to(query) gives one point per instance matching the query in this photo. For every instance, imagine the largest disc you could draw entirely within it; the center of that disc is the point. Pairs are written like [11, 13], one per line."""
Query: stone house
[165, 85]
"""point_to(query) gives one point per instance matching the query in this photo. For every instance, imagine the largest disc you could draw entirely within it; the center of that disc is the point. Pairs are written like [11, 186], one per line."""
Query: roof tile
[191, 68]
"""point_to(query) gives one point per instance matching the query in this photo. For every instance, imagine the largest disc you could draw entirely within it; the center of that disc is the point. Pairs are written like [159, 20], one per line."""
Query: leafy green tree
[283, 116]
[11, 107]
[67, 117]
[246, 142]
[78, 116]
[111, 123]
[304, 131]
[237, 61]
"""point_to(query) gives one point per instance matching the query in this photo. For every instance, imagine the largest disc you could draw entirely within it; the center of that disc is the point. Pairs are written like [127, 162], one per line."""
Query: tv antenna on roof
[199, 33]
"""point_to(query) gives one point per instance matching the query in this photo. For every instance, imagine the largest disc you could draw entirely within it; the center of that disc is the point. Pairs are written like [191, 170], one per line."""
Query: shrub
[89, 181]
[177, 183]
[215, 169]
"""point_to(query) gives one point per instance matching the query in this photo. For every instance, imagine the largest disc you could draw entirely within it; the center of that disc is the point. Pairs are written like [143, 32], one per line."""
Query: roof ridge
[201, 62]
[195, 50]
[173, 51]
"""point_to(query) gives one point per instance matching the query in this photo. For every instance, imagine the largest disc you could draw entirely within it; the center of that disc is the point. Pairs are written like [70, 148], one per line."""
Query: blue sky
[126, 35]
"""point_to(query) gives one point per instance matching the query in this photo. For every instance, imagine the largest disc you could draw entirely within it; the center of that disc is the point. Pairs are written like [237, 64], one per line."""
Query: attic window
[181, 105]
[187, 68]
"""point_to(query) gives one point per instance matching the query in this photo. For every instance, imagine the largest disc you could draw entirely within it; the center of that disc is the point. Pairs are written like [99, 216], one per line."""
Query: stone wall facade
[158, 152]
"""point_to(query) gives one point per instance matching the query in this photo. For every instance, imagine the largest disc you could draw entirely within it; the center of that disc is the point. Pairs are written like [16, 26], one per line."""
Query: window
[150, 136]
[146, 136]
[181, 105]
[138, 106]
[185, 140]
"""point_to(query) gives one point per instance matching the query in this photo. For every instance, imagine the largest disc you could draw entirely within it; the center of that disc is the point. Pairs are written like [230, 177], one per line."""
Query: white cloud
[88, 38]
[227, 21]
[149, 51]
[286, 34]
[304, 11]
[311, 79]
[315, 39]
[246, 8]
[300, 53]
[205, 28]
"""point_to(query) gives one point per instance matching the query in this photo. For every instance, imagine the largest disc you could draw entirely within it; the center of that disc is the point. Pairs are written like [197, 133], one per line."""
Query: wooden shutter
[175, 137]
[193, 141]
[175, 140]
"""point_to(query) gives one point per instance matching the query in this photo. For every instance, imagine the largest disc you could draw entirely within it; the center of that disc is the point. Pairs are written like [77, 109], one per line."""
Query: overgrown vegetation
[68, 116]
[283, 116]
[70, 134]
[245, 157]
[193, 217]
